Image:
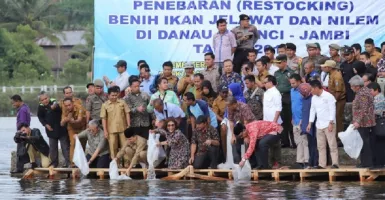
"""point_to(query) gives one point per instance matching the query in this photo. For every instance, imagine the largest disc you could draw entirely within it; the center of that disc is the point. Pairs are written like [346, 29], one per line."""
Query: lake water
[15, 188]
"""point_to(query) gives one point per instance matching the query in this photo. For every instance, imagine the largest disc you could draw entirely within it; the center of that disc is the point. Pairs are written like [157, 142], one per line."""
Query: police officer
[318, 60]
[334, 54]
[94, 102]
[246, 35]
[336, 87]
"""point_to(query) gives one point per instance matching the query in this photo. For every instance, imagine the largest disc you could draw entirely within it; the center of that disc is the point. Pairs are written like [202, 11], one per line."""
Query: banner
[182, 30]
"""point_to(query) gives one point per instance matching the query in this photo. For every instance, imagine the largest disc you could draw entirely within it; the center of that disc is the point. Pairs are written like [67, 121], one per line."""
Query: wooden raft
[363, 174]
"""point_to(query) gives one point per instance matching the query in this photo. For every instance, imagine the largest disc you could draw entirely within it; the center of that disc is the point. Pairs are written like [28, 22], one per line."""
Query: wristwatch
[243, 160]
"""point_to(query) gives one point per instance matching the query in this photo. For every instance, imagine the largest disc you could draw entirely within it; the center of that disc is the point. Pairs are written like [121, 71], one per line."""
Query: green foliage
[34, 13]
[75, 71]
[22, 22]
[22, 62]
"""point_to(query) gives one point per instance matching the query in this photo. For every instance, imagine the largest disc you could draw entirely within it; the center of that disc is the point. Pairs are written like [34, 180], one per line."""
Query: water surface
[15, 188]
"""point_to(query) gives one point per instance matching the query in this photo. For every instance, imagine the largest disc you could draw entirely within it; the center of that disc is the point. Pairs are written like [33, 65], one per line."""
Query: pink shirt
[222, 44]
[258, 129]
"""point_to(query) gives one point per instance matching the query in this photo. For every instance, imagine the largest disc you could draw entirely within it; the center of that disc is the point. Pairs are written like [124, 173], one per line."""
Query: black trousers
[21, 159]
[366, 155]
[313, 151]
[54, 150]
[240, 56]
[207, 159]
[287, 137]
[237, 153]
[262, 151]
[100, 161]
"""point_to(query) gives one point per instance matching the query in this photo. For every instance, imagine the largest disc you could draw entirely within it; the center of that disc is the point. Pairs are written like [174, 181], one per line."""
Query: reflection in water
[14, 188]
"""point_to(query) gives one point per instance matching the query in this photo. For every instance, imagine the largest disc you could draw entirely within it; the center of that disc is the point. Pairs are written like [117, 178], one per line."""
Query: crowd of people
[274, 102]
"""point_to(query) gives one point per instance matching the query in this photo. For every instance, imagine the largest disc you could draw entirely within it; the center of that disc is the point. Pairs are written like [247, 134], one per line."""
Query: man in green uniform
[282, 75]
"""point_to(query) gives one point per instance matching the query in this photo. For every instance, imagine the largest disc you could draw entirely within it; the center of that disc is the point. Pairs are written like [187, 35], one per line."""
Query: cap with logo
[99, 83]
[348, 50]
[330, 63]
[280, 58]
[243, 17]
[188, 65]
[224, 88]
[335, 47]
[311, 45]
[121, 63]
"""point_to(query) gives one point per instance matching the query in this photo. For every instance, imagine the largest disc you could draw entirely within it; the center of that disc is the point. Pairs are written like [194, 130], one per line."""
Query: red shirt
[256, 130]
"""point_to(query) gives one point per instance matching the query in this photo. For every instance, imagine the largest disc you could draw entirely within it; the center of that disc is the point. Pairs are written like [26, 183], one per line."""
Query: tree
[34, 13]
[73, 15]
[75, 72]
[22, 62]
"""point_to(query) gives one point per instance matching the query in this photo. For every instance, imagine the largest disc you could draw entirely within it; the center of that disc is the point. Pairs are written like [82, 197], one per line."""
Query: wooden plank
[255, 175]
[28, 174]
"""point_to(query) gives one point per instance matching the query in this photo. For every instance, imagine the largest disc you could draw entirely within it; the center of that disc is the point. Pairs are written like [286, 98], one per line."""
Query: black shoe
[306, 166]
[319, 167]
[285, 146]
[334, 167]
[293, 146]
[33, 165]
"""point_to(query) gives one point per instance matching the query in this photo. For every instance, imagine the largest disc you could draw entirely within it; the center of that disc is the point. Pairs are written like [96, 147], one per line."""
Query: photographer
[49, 114]
[34, 144]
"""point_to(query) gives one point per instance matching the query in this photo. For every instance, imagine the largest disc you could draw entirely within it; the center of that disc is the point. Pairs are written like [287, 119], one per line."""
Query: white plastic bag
[80, 159]
[229, 164]
[114, 172]
[352, 141]
[155, 155]
[243, 173]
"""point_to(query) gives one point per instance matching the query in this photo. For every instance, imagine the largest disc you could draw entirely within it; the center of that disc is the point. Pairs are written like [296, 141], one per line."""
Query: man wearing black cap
[347, 71]
[121, 80]
[293, 61]
[90, 88]
[284, 87]
[246, 35]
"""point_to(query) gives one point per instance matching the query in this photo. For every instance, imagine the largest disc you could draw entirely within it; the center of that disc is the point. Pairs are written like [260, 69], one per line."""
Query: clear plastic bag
[352, 141]
[243, 173]
[80, 159]
[155, 155]
[229, 164]
[114, 172]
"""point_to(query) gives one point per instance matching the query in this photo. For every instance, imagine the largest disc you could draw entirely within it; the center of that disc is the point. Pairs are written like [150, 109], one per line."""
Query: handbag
[379, 129]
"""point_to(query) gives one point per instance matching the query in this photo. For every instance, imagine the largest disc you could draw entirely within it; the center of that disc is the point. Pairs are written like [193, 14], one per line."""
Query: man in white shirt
[121, 80]
[147, 79]
[323, 105]
[164, 111]
[272, 107]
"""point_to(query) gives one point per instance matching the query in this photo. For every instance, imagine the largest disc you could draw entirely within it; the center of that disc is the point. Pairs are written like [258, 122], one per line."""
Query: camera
[20, 137]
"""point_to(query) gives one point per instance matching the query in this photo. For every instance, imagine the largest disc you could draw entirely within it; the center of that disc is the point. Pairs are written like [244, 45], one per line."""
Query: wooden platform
[218, 174]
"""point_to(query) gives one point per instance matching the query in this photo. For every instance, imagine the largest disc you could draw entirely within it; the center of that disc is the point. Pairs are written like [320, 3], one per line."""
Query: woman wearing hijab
[208, 93]
[236, 90]
[305, 91]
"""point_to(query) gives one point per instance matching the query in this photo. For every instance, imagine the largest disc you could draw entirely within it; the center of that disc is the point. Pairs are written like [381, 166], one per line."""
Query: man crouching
[34, 144]
[135, 149]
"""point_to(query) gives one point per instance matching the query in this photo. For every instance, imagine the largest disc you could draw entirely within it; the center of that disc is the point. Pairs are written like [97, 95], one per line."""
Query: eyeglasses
[170, 125]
